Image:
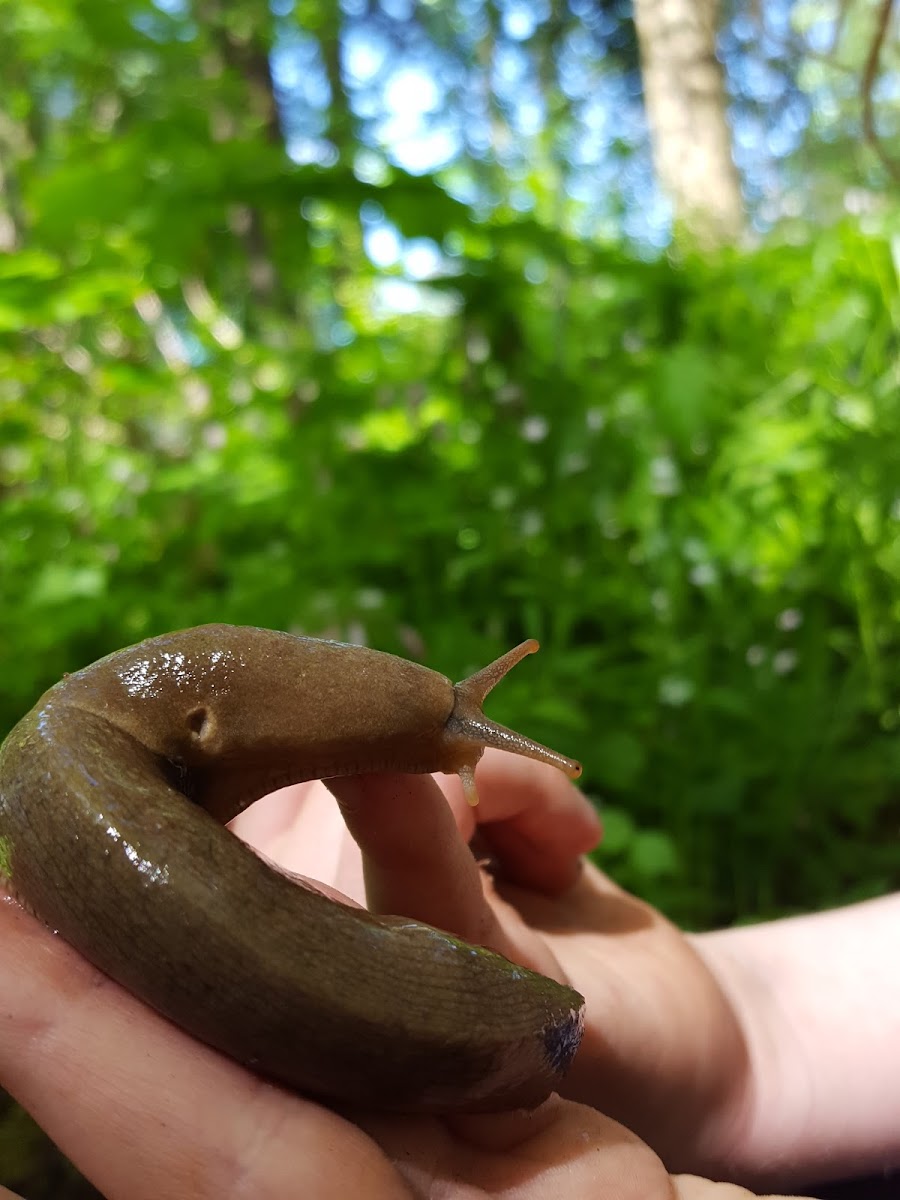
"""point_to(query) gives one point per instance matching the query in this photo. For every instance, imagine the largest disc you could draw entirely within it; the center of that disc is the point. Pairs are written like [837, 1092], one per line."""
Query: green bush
[680, 477]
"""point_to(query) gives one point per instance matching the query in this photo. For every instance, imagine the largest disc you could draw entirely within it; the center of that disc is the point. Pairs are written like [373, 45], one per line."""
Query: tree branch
[870, 74]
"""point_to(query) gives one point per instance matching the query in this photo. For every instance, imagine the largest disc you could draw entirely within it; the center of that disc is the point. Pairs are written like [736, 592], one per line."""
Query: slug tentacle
[476, 687]
[468, 723]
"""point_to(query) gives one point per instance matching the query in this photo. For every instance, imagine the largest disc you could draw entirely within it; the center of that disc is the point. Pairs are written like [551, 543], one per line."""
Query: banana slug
[113, 793]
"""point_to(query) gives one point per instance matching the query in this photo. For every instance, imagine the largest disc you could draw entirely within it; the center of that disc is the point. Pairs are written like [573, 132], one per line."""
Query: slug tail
[470, 723]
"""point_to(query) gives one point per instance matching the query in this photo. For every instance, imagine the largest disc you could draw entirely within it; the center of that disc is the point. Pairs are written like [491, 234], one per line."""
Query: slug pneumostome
[114, 791]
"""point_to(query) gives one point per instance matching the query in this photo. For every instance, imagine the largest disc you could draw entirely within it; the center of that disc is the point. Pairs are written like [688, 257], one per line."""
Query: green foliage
[680, 477]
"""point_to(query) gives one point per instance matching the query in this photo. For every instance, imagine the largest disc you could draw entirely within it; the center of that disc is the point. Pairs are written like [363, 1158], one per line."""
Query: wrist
[817, 999]
[752, 1142]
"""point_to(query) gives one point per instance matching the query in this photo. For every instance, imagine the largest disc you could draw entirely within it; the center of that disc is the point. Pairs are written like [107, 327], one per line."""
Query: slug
[114, 791]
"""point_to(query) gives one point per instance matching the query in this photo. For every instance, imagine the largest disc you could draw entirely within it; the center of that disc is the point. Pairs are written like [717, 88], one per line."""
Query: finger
[415, 861]
[301, 829]
[537, 824]
[691, 1187]
[563, 1150]
[142, 1109]
[268, 821]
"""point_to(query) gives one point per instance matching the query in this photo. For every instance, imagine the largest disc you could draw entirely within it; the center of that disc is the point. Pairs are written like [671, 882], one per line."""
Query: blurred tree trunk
[684, 95]
[9, 233]
[341, 129]
[15, 146]
[241, 36]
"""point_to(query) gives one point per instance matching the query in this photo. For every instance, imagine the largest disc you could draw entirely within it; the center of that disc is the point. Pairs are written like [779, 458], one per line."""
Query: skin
[113, 792]
[159, 1114]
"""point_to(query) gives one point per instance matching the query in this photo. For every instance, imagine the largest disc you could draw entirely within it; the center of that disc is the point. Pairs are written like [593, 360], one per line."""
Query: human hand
[144, 1111]
[663, 1050]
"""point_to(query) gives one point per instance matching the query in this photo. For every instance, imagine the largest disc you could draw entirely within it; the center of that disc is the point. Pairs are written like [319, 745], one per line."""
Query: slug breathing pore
[469, 723]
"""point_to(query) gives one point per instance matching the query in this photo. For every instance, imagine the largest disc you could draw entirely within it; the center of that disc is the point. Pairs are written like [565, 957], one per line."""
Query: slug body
[113, 793]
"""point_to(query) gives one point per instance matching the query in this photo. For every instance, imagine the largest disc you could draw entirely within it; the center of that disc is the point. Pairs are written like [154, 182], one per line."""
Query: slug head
[470, 731]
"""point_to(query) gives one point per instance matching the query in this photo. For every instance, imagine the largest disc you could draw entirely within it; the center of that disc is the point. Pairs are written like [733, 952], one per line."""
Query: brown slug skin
[113, 793]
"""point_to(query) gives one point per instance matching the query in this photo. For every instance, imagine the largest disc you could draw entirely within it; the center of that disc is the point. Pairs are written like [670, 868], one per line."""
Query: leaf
[652, 854]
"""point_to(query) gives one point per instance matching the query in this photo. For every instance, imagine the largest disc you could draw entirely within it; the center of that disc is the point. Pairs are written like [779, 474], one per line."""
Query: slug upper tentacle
[113, 793]
[469, 722]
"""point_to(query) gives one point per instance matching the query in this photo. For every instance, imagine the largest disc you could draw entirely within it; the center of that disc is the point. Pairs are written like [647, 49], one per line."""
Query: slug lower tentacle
[113, 793]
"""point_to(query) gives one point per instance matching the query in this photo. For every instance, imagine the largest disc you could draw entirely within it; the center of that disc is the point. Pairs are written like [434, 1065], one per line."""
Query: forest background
[439, 326]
